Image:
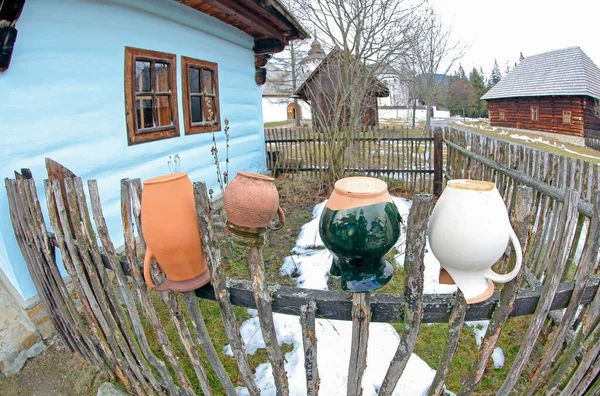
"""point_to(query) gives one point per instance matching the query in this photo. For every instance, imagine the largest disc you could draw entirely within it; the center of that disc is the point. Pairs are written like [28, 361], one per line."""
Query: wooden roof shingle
[564, 72]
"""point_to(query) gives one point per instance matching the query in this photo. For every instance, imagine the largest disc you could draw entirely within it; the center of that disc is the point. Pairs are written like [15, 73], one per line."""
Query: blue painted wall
[63, 98]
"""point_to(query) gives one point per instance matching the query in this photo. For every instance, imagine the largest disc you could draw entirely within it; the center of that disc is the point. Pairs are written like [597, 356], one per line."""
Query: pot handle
[147, 260]
[491, 275]
[281, 221]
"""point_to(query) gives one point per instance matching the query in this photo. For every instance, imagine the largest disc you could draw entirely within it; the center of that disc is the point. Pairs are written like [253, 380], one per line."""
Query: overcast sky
[502, 29]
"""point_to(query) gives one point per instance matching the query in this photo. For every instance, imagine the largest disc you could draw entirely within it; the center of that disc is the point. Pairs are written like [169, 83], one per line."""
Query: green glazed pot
[360, 225]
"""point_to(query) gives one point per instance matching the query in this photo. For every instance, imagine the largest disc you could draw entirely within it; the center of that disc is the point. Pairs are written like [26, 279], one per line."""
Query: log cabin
[556, 91]
[323, 88]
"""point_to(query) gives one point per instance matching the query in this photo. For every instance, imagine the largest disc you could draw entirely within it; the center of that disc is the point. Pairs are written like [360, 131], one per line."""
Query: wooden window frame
[502, 115]
[199, 127]
[135, 136]
[568, 114]
[537, 113]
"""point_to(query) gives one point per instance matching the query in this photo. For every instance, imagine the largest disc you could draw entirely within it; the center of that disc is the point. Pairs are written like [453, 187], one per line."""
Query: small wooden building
[321, 90]
[556, 91]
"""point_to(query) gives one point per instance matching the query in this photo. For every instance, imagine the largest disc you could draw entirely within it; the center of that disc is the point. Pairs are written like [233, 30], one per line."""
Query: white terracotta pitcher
[469, 230]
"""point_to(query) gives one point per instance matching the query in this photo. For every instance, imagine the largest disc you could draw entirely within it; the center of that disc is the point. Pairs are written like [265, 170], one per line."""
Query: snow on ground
[479, 328]
[310, 264]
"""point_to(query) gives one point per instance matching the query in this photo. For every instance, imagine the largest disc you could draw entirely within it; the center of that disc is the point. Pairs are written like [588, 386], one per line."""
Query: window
[150, 95]
[200, 95]
[535, 113]
[502, 115]
[566, 117]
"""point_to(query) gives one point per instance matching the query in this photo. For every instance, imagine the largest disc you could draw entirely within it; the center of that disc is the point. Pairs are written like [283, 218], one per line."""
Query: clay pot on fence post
[251, 202]
[170, 227]
[359, 225]
[469, 230]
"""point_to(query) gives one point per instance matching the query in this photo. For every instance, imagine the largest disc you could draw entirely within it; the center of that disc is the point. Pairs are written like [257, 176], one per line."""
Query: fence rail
[119, 319]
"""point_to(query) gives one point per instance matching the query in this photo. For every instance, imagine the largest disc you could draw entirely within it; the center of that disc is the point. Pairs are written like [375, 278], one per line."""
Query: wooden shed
[321, 90]
[555, 91]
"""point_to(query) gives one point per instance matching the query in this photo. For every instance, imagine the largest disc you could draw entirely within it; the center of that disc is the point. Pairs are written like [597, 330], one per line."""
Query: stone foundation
[25, 329]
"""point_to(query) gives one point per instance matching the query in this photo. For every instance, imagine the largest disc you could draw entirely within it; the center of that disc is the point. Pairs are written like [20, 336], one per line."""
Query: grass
[275, 124]
[555, 146]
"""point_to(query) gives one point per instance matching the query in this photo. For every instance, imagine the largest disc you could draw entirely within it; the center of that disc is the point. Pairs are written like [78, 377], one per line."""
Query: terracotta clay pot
[469, 230]
[170, 227]
[251, 202]
[360, 225]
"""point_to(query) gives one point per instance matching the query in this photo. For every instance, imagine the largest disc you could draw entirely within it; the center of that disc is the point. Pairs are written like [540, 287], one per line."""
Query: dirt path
[56, 371]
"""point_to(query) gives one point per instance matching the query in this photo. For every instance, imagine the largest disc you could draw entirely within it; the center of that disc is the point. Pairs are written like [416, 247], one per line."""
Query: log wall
[517, 113]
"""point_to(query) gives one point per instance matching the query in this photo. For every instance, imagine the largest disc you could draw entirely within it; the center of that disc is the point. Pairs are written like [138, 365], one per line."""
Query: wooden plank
[521, 217]
[123, 286]
[361, 317]
[140, 286]
[93, 267]
[559, 256]
[122, 359]
[220, 289]
[438, 156]
[416, 238]
[262, 298]
[309, 341]
[455, 326]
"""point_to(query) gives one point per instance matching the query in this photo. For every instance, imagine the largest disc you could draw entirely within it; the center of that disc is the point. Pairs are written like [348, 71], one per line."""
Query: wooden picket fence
[591, 138]
[392, 153]
[553, 204]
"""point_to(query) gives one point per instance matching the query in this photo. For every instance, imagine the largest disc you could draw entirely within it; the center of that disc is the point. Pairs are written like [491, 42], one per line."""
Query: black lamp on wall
[8, 36]
[10, 10]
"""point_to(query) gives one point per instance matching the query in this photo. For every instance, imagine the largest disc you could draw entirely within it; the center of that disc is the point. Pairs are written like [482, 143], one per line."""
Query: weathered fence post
[213, 261]
[438, 161]
[361, 317]
[416, 238]
[559, 255]
[262, 297]
[309, 340]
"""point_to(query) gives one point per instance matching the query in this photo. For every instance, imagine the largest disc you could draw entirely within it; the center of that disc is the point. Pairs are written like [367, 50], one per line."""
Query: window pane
[161, 70]
[196, 109]
[164, 111]
[194, 80]
[147, 116]
[207, 81]
[209, 108]
[142, 76]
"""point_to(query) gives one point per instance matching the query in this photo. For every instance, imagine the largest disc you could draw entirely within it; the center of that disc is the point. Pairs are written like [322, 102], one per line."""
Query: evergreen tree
[496, 75]
[460, 73]
[477, 82]
[521, 57]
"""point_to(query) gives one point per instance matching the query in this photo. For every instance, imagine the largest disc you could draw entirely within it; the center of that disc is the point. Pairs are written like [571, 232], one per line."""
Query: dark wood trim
[268, 46]
[247, 17]
[186, 63]
[388, 307]
[158, 133]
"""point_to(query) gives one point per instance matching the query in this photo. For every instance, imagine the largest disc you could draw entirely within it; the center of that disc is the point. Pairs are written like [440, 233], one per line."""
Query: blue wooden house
[112, 88]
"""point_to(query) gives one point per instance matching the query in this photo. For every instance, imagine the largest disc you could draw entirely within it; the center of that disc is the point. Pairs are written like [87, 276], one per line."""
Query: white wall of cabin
[63, 98]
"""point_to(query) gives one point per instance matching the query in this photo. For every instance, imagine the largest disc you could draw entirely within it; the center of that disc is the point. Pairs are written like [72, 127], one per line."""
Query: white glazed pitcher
[469, 230]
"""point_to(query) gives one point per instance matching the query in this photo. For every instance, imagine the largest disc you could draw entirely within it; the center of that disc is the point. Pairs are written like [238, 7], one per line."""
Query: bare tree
[366, 36]
[461, 95]
[435, 54]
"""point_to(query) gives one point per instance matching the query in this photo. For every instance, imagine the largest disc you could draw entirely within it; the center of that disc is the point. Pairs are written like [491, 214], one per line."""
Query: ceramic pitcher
[170, 227]
[359, 225]
[469, 230]
[251, 202]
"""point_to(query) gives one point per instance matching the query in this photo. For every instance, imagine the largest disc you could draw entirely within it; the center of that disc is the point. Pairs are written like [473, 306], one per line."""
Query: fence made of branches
[114, 321]
[591, 138]
[398, 154]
